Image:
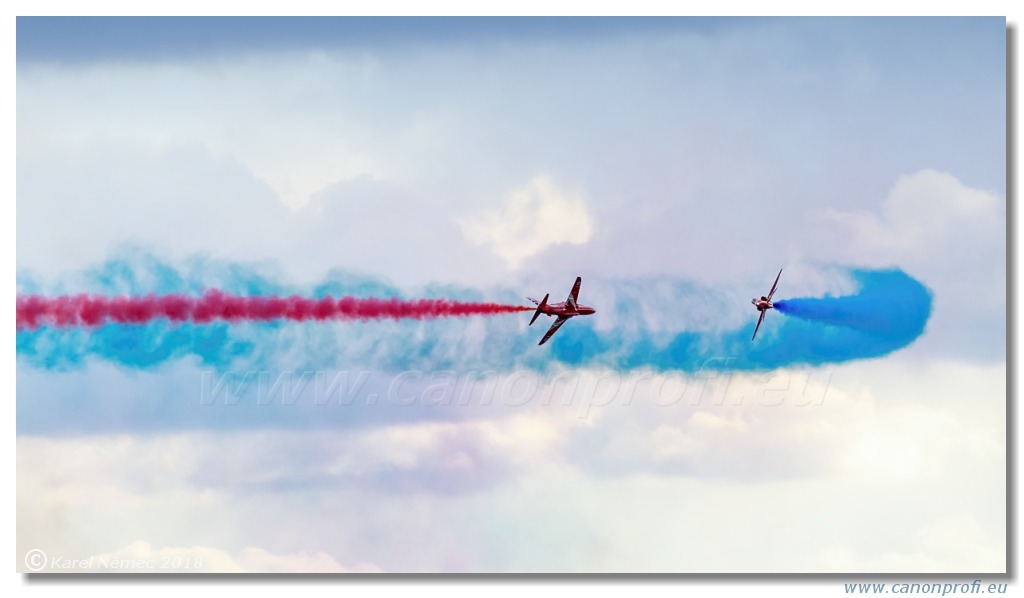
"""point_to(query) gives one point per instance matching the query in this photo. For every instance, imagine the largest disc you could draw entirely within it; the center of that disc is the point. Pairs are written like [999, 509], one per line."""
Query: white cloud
[588, 470]
[456, 456]
[720, 425]
[932, 223]
[947, 234]
[861, 420]
[272, 501]
[142, 557]
[954, 544]
[255, 560]
[293, 120]
[534, 217]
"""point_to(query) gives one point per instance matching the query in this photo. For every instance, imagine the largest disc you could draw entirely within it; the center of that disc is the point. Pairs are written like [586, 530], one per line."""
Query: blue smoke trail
[890, 305]
[888, 312]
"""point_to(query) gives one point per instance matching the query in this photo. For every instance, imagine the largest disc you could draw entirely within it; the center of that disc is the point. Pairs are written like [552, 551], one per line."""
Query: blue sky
[78, 40]
[675, 164]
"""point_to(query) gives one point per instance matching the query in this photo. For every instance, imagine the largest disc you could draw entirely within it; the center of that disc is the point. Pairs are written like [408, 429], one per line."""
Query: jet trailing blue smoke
[889, 305]
[888, 312]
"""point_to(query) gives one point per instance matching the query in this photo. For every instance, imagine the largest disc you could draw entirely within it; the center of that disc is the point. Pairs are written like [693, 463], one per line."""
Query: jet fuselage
[561, 309]
[762, 304]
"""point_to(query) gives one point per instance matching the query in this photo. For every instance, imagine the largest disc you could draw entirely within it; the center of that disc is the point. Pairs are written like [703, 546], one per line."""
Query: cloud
[933, 223]
[534, 217]
[436, 457]
[718, 425]
[141, 557]
[461, 455]
[578, 478]
[127, 192]
[250, 501]
[949, 235]
[955, 544]
[679, 175]
[539, 488]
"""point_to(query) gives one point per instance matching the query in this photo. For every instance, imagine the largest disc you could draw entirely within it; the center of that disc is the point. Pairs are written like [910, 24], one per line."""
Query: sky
[675, 164]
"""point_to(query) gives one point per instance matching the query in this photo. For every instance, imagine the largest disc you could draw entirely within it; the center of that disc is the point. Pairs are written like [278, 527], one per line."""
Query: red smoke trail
[94, 310]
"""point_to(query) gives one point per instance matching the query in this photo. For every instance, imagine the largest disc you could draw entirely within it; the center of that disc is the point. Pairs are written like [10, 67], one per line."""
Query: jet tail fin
[540, 308]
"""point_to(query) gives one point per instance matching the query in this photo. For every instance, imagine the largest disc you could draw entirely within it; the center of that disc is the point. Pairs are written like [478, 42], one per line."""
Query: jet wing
[554, 328]
[760, 319]
[774, 285]
[574, 293]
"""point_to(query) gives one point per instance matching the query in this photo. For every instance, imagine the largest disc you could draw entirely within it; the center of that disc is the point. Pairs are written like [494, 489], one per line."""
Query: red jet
[764, 304]
[564, 311]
